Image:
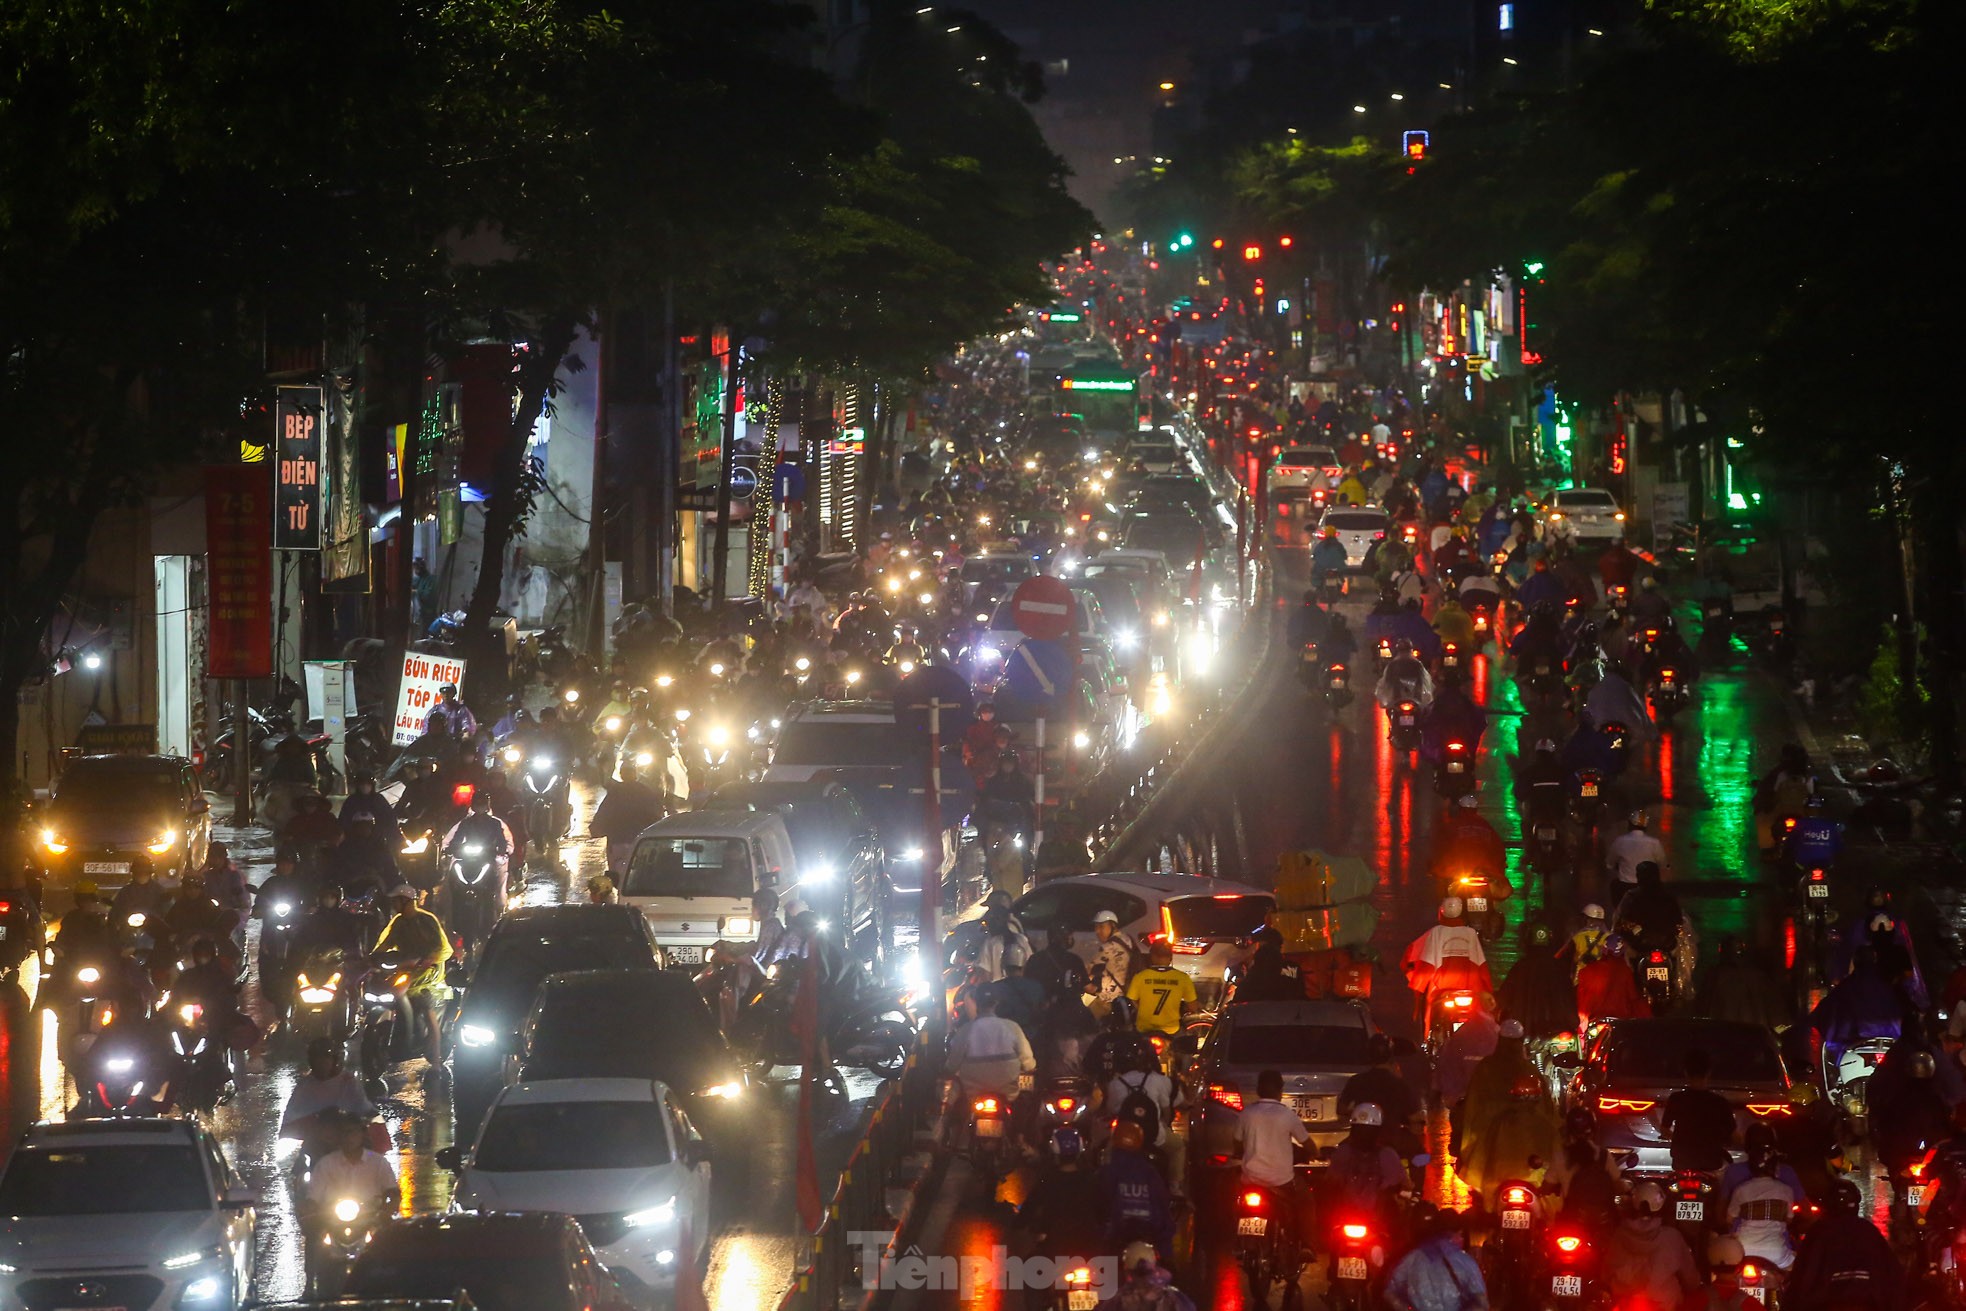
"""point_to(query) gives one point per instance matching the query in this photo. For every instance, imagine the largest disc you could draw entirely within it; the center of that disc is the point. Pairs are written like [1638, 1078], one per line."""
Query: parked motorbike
[871, 1029]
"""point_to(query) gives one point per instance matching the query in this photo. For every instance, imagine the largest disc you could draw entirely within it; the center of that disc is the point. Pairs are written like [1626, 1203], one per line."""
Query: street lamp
[92, 661]
[1167, 86]
[1358, 109]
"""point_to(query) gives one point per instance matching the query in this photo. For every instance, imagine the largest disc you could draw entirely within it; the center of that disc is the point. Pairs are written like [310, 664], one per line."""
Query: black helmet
[1579, 1123]
[1845, 1198]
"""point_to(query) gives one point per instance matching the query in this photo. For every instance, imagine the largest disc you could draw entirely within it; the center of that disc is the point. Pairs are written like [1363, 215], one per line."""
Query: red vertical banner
[239, 570]
[805, 1026]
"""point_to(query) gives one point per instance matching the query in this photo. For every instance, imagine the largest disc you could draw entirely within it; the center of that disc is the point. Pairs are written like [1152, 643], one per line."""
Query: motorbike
[386, 1032]
[1587, 802]
[119, 1074]
[1849, 1081]
[1812, 916]
[205, 1063]
[1310, 670]
[1453, 670]
[472, 885]
[1331, 587]
[1382, 654]
[1403, 723]
[1337, 686]
[86, 996]
[323, 1004]
[543, 784]
[1358, 1258]
[1691, 1195]
[1667, 693]
[1454, 778]
[992, 1150]
[1480, 902]
[1618, 598]
[1570, 1265]
[1447, 1010]
[1542, 830]
[1265, 1249]
[345, 1225]
[1066, 1103]
[871, 1026]
[1508, 1257]
[1655, 978]
[279, 919]
[1545, 680]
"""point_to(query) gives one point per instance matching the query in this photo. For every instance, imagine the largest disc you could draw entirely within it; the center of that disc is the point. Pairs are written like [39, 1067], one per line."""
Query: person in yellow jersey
[1161, 995]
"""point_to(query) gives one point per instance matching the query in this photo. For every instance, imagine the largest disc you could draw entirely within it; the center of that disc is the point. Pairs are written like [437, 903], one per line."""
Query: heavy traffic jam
[1545, 998]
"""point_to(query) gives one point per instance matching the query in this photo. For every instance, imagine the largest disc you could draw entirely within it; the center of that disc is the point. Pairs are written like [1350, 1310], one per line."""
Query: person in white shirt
[1112, 959]
[351, 1171]
[1631, 849]
[989, 1052]
[318, 1096]
[1268, 1132]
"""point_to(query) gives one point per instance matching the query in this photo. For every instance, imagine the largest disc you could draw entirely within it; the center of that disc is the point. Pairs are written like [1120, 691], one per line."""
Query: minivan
[693, 876]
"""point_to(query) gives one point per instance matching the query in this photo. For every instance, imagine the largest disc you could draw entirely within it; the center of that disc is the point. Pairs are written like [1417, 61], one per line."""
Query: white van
[692, 875]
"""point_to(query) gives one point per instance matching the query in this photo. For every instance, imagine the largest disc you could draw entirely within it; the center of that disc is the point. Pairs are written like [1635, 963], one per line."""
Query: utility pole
[668, 454]
[720, 568]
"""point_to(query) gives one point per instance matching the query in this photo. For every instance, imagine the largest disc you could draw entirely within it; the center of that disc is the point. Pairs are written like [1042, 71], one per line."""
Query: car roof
[1694, 1027]
[552, 1092]
[1327, 1014]
[110, 1133]
[804, 792]
[580, 986]
[716, 824]
[842, 712]
[528, 919]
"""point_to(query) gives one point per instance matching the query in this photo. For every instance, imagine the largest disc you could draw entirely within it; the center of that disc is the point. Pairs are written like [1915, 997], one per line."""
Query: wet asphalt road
[1304, 777]
[754, 1253]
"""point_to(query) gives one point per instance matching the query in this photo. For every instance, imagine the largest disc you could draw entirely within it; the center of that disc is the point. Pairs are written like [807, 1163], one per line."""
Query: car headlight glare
[52, 841]
[165, 841]
[740, 926]
[476, 1035]
[202, 1290]
[727, 1091]
[653, 1215]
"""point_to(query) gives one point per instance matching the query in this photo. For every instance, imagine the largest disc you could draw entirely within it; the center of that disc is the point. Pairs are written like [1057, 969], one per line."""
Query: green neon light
[1533, 268]
[1060, 317]
[1097, 384]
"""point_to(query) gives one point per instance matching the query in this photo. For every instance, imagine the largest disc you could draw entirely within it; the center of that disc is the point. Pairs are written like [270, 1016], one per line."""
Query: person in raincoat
[1539, 993]
[1447, 956]
[1516, 1137]
[1614, 701]
[1862, 1005]
[1606, 989]
[1451, 718]
[1463, 1051]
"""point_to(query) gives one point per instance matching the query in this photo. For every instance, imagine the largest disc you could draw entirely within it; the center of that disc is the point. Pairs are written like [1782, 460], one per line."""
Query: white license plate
[1081, 1299]
[684, 955]
[105, 867]
[1819, 890]
[1566, 1285]
[1515, 1219]
[1478, 905]
[1252, 1224]
[1406, 721]
[1758, 1294]
[1915, 1195]
[1337, 682]
[1351, 1267]
[989, 1128]
[1657, 972]
[1450, 661]
[1546, 835]
[1455, 767]
[1694, 1212]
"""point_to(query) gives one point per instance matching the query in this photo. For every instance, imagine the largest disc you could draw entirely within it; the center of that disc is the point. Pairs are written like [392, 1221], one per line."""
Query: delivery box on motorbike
[1322, 928]
[1314, 878]
[693, 875]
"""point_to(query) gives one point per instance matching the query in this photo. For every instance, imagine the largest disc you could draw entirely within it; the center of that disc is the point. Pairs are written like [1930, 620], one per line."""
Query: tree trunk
[505, 511]
[1938, 553]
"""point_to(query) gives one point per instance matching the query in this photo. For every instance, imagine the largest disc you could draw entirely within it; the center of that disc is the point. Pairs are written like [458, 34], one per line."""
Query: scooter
[474, 886]
[1509, 1255]
[543, 780]
[346, 1225]
[1453, 671]
[1358, 1259]
[205, 1066]
[1666, 693]
[1337, 686]
[120, 1075]
[1265, 1249]
[386, 1030]
[992, 1147]
[1570, 1267]
[1403, 725]
[1455, 776]
[323, 1006]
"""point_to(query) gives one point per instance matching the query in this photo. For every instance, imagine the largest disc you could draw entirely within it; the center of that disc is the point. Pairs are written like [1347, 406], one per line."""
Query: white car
[135, 1215]
[1154, 456]
[620, 1154]
[1205, 918]
[994, 647]
[1585, 514]
[1358, 528]
[1305, 466]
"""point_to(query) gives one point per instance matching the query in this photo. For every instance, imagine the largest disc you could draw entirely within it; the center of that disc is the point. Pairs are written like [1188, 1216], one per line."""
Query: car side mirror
[239, 1198]
[449, 1158]
[199, 806]
[697, 1153]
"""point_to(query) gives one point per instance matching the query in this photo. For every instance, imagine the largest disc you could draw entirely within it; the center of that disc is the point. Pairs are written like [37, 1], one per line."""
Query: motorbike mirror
[449, 1158]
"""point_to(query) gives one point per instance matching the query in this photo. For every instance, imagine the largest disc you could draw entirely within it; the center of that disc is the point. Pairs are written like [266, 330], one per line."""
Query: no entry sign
[1043, 608]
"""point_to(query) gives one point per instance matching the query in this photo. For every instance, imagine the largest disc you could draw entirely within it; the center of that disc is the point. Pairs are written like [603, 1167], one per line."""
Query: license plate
[1693, 1212]
[1546, 835]
[1915, 1195]
[1515, 1219]
[1542, 670]
[1455, 767]
[1450, 661]
[1337, 682]
[1081, 1299]
[1406, 721]
[1655, 972]
[1477, 905]
[1819, 891]
[1026, 1082]
[684, 955]
[1566, 1285]
[989, 1128]
[1590, 789]
[1758, 1294]
[105, 867]
[1252, 1224]
[1351, 1267]
[3, 933]
[1307, 1108]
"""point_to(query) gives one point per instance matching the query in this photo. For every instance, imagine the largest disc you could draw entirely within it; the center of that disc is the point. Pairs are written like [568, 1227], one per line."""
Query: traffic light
[1284, 242]
[1217, 243]
[1252, 252]
[1415, 146]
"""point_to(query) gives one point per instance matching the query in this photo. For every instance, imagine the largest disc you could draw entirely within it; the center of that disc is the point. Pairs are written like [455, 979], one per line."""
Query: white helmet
[1138, 1255]
[1451, 908]
[1593, 912]
[1648, 1198]
[1107, 917]
[1725, 1250]
[1368, 1113]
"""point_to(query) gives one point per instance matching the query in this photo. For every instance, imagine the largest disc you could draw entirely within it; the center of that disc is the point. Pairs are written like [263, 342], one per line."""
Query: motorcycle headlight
[821, 872]
[612, 724]
[136, 919]
[283, 909]
[682, 714]
[717, 669]
[317, 996]
[802, 664]
[513, 755]
[347, 1209]
[988, 655]
[89, 974]
[718, 736]
[416, 846]
[165, 841]
[120, 1064]
[572, 695]
[476, 1035]
[542, 762]
[474, 850]
[643, 759]
[726, 1091]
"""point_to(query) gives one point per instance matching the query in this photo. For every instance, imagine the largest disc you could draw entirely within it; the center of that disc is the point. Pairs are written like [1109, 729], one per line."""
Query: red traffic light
[1284, 242]
[1252, 252]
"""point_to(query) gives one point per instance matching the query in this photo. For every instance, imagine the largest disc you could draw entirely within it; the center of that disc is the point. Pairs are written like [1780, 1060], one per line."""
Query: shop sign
[239, 562]
[424, 679]
[297, 491]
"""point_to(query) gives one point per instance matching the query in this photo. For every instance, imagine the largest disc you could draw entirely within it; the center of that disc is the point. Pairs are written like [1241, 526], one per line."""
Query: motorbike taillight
[1251, 1201]
[1568, 1244]
[986, 1106]
[1356, 1232]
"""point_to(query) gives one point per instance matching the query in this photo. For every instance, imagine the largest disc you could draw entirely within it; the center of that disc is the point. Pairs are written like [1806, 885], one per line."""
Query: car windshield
[1650, 1053]
[1282, 1045]
[860, 745]
[1585, 500]
[118, 1180]
[1151, 452]
[689, 867]
[1305, 457]
[1176, 536]
[515, 963]
[530, 1136]
[124, 789]
[496, 1278]
[1217, 917]
[1356, 521]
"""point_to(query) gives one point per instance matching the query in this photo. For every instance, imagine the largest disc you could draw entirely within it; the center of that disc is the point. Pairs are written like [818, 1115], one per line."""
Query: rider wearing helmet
[1466, 843]
[1269, 975]
[1540, 780]
[1908, 1107]
[1406, 678]
[1136, 1201]
[1758, 1196]
[1385, 1085]
[1629, 850]
[1587, 943]
[1506, 1118]
[1111, 966]
[1447, 956]
[1606, 989]
[1844, 1260]
[1146, 1285]
[1646, 1261]
[1364, 1170]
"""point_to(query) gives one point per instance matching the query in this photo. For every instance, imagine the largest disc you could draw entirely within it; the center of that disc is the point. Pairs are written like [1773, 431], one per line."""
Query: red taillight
[1766, 1109]
[1460, 1001]
[1516, 1197]
[1457, 746]
[1254, 1201]
[1355, 1231]
[986, 1106]
[1568, 1242]
[1618, 1105]
[1227, 1094]
[1065, 1103]
[461, 794]
[1815, 876]
[6, 907]
[1656, 958]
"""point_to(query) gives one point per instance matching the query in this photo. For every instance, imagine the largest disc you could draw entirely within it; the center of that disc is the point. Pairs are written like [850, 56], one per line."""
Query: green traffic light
[1185, 239]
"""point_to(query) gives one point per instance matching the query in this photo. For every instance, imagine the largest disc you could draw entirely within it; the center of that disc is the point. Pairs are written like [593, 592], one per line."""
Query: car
[1119, 610]
[1307, 467]
[995, 572]
[619, 1154]
[859, 745]
[140, 1214]
[1155, 456]
[1358, 528]
[841, 867]
[1585, 515]
[524, 947]
[1315, 1045]
[111, 814]
[1205, 918]
[1173, 531]
[633, 1024]
[1634, 1065]
[1170, 489]
[996, 643]
[515, 1262]
[374, 1304]
[695, 873]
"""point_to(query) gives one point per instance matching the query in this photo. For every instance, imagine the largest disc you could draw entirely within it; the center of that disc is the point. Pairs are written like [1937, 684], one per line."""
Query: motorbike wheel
[888, 1043]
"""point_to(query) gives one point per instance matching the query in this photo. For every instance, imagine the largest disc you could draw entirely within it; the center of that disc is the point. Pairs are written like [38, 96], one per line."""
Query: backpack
[1140, 1107]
